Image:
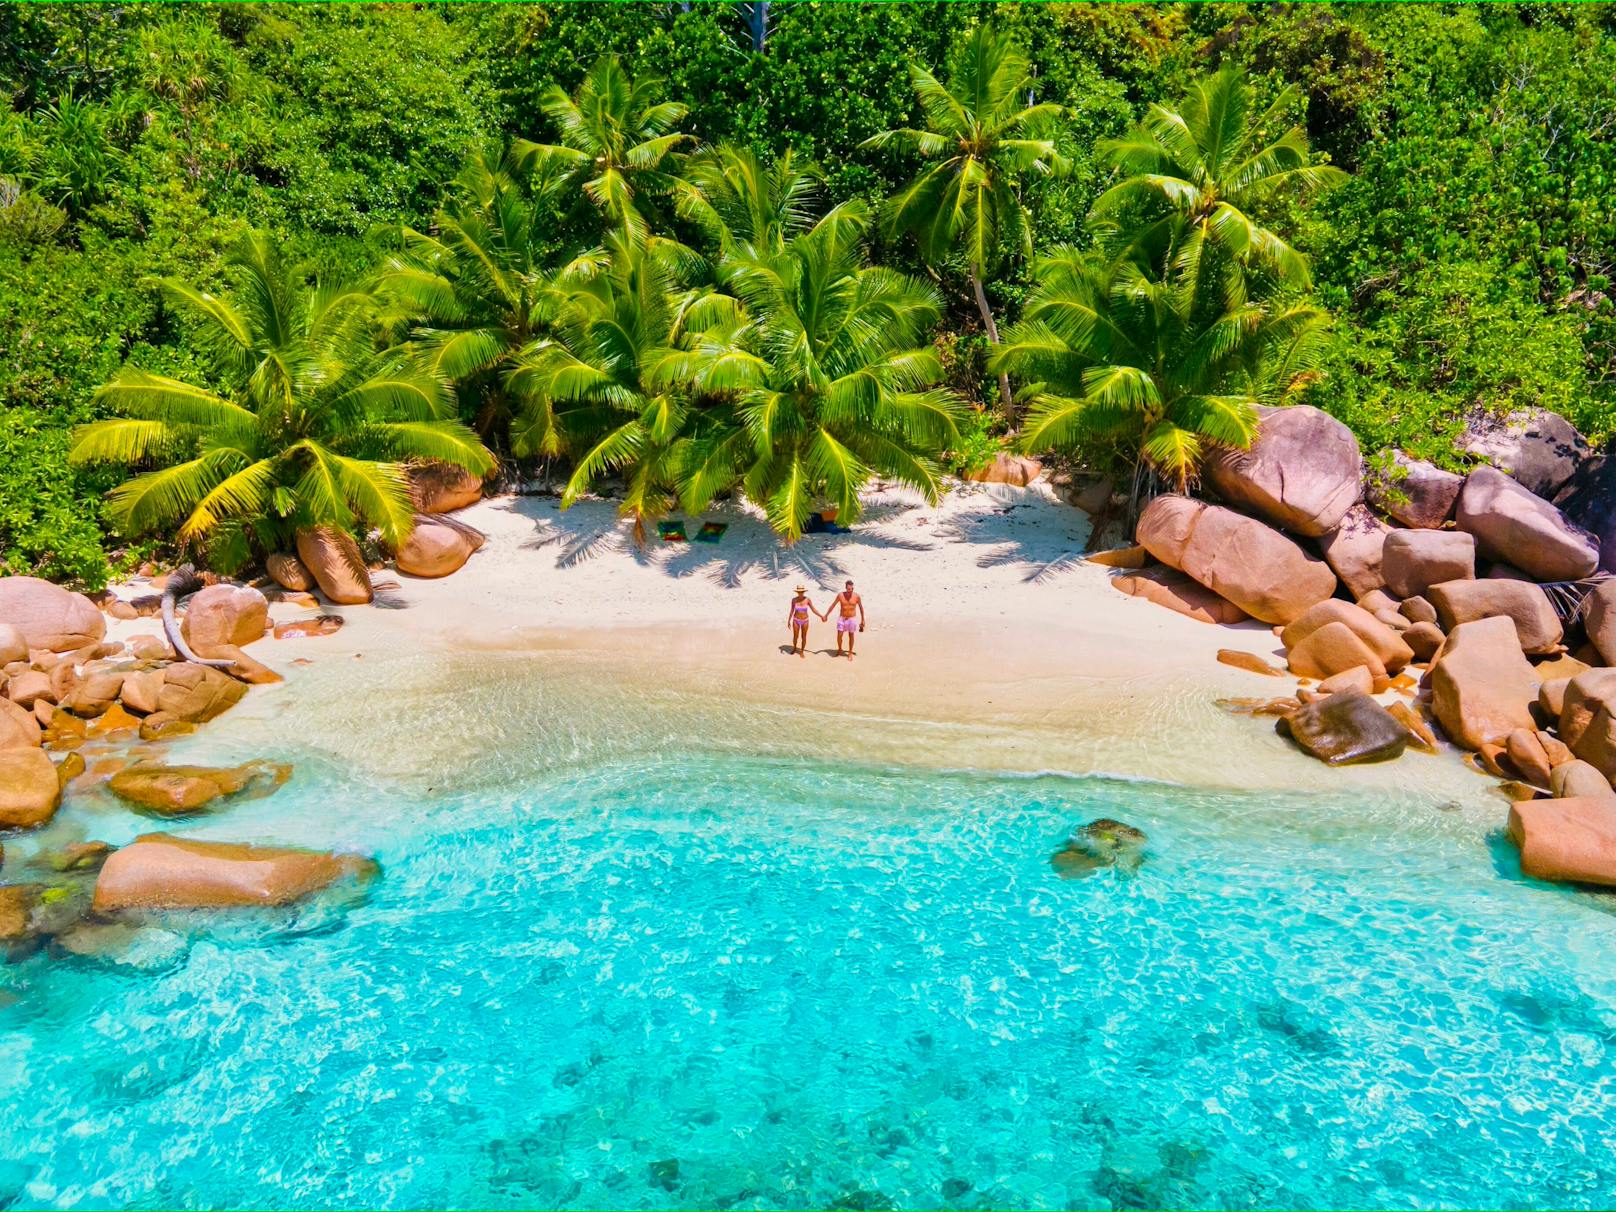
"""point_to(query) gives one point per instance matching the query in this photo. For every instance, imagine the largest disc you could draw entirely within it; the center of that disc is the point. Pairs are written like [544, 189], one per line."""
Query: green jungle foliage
[626, 276]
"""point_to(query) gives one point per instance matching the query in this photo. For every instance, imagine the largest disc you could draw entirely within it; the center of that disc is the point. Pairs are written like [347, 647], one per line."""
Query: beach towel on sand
[711, 532]
[672, 532]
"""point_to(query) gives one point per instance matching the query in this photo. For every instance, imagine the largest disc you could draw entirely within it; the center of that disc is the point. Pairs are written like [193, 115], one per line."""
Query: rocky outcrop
[1346, 729]
[196, 694]
[183, 790]
[1571, 840]
[157, 871]
[1354, 549]
[435, 550]
[288, 572]
[30, 790]
[1588, 719]
[1331, 649]
[1173, 589]
[1424, 640]
[48, 616]
[28, 687]
[19, 727]
[1391, 653]
[1539, 449]
[13, 645]
[1482, 687]
[1005, 468]
[1302, 472]
[1413, 492]
[1577, 779]
[443, 487]
[1589, 501]
[1599, 616]
[1529, 756]
[1414, 560]
[333, 559]
[1520, 528]
[1536, 623]
[1250, 564]
[221, 616]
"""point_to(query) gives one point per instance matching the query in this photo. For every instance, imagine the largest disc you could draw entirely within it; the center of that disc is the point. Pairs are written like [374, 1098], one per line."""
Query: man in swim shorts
[851, 620]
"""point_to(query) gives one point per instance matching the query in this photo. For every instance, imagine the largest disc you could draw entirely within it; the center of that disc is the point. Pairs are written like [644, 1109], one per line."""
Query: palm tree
[746, 207]
[313, 426]
[474, 292]
[830, 384]
[980, 141]
[620, 378]
[616, 135]
[1202, 174]
[1159, 367]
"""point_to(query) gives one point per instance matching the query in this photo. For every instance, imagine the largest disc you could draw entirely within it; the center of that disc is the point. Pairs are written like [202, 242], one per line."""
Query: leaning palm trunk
[182, 582]
[993, 335]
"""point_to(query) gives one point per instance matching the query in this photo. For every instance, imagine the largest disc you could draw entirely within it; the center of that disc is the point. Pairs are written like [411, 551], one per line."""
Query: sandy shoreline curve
[991, 646]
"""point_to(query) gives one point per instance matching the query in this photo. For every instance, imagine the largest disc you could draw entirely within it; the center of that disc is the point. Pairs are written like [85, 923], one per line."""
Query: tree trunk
[993, 337]
[182, 581]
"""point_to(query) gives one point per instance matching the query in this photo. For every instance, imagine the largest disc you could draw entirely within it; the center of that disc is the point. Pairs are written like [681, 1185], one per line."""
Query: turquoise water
[716, 981]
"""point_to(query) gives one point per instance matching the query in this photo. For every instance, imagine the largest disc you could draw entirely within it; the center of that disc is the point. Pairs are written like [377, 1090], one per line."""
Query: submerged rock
[182, 790]
[30, 790]
[1345, 729]
[1100, 843]
[157, 871]
[145, 948]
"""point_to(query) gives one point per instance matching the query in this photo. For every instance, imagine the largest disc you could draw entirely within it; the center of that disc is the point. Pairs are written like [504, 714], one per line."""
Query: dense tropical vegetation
[695, 250]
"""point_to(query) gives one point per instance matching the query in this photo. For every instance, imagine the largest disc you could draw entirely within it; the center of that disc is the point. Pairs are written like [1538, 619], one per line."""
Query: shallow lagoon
[654, 973]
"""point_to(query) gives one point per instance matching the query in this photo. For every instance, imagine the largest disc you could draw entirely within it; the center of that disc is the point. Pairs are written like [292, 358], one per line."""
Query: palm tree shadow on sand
[592, 528]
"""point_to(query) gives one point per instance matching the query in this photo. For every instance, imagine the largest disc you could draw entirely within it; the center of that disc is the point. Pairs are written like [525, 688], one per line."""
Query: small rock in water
[179, 790]
[324, 624]
[665, 1173]
[1248, 661]
[1346, 728]
[1100, 843]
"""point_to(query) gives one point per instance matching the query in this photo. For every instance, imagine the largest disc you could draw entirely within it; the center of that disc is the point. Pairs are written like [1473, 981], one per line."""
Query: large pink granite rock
[1514, 525]
[1302, 472]
[1254, 566]
[1568, 840]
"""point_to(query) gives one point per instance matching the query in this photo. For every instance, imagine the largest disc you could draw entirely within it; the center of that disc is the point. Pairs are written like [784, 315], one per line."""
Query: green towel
[711, 532]
[671, 532]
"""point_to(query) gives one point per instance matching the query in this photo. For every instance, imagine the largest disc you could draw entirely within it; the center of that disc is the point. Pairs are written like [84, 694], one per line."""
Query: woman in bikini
[797, 620]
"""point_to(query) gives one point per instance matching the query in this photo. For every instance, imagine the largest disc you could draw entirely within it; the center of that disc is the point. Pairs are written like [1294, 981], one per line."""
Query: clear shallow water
[622, 963]
[714, 981]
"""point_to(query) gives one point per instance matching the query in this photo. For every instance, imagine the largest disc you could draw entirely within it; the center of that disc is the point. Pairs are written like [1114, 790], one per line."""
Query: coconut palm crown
[1206, 171]
[982, 138]
[1152, 365]
[312, 426]
[616, 136]
[832, 385]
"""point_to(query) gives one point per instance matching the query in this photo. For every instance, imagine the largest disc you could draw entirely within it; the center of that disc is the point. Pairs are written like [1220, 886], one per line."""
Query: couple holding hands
[849, 623]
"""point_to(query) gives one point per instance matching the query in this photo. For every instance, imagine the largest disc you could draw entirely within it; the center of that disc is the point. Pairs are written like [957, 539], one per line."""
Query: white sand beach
[991, 644]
